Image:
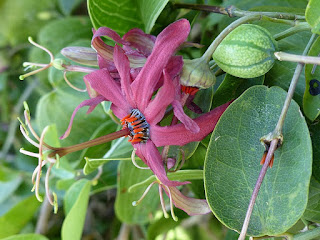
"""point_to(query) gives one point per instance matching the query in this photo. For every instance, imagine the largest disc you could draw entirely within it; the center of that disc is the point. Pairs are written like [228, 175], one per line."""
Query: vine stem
[274, 138]
[232, 11]
[299, 27]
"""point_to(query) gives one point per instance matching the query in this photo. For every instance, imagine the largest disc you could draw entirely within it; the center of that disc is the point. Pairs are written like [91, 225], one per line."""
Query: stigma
[138, 126]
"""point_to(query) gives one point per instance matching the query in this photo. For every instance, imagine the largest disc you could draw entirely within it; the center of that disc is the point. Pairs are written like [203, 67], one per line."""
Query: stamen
[46, 183]
[135, 203]
[189, 90]
[138, 126]
[41, 47]
[133, 159]
[36, 171]
[166, 215]
[31, 154]
[70, 84]
[28, 138]
[40, 163]
[171, 204]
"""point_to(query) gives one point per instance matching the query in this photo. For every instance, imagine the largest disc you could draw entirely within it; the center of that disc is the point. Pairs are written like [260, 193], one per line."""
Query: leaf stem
[263, 171]
[274, 138]
[232, 11]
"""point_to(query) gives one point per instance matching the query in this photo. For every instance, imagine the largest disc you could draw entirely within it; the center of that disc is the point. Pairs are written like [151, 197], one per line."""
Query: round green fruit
[246, 52]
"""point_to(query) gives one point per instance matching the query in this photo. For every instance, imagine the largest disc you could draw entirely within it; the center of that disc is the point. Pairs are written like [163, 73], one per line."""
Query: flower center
[138, 126]
[190, 90]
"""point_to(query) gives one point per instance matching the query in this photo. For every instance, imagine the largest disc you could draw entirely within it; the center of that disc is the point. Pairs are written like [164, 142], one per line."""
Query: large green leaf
[120, 15]
[129, 175]
[312, 15]
[311, 97]
[150, 11]
[75, 204]
[16, 218]
[28, 236]
[312, 212]
[233, 164]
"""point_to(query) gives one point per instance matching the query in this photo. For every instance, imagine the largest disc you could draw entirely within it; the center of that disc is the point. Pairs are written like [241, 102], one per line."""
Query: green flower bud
[197, 73]
[82, 55]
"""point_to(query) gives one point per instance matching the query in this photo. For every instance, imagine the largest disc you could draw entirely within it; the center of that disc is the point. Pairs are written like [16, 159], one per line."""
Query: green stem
[232, 11]
[308, 235]
[282, 56]
[293, 30]
[207, 55]
[278, 130]
[181, 175]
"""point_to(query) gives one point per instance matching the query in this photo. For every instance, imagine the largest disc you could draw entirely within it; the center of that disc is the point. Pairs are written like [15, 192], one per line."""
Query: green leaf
[16, 218]
[232, 87]
[312, 212]
[121, 16]
[312, 15]
[68, 6]
[28, 236]
[232, 164]
[161, 226]
[311, 97]
[150, 11]
[9, 181]
[127, 176]
[315, 133]
[56, 108]
[75, 204]
[21, 19]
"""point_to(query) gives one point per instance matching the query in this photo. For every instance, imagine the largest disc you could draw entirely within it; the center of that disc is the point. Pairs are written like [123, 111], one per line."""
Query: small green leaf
[28, 236]
[9, 181]
[121, 15]
[312, 212]
[75, 204]
[150, 11]
[16, 218]
[232, 87]
[312, 15]
[311, 97]
[233, 164]
[68, 6]
[127, 176]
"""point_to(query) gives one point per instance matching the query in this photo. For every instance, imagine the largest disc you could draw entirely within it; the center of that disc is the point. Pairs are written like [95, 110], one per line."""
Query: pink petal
[188, 122]
[92, 103]
[191, 206]
[140, 40]
[122, 63]
[118, 111]
[166, 44]
[101, 81]
[179, 135]
[157, 107]
[151, 156]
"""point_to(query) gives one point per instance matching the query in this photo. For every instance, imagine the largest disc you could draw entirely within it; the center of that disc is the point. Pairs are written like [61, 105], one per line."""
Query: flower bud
[197, 73]
[82, 55]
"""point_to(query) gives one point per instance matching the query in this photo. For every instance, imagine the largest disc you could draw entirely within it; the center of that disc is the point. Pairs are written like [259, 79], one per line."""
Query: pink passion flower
[140, 112]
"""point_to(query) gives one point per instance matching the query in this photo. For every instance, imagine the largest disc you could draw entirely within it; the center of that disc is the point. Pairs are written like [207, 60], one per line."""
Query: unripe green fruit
[246, 52]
